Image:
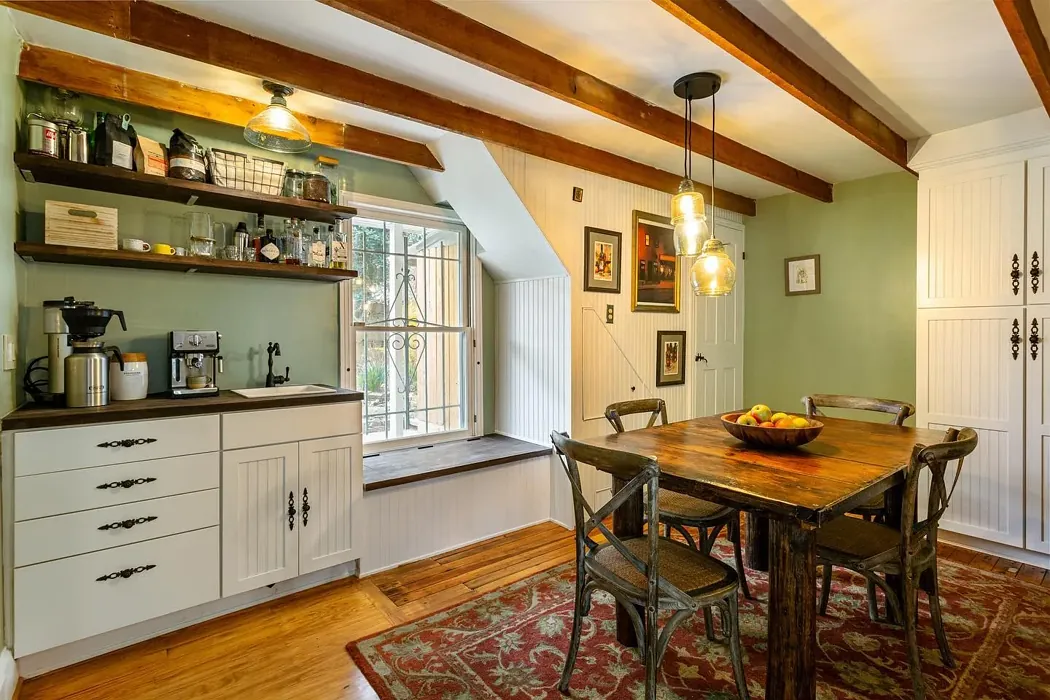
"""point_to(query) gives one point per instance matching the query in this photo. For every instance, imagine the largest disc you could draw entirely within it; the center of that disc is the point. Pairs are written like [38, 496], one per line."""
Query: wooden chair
[678, 511]
[646, 574]
[871, 549]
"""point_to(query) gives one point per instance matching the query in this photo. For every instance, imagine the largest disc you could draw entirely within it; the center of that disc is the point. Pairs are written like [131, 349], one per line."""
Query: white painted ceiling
[923, 66]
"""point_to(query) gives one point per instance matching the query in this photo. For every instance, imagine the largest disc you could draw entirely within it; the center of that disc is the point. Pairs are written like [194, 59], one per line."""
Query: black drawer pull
[1015, 275]
[126, 483]
[128, 524]
[291, 510]
[306, 507]
[127, 442]
[126, 573]
[1015, 339]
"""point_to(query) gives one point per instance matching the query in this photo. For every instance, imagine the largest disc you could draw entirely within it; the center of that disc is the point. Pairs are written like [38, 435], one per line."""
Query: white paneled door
[718, 324]
[1038, 231]
[970, 228]
[970, 371]
[260, 508]
[1037, 462]
[330, 492]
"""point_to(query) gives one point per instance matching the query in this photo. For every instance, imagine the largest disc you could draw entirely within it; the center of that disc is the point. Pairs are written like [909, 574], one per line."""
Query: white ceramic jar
[130, 383]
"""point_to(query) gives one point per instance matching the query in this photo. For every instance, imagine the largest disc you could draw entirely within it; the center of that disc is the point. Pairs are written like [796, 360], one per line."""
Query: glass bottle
[257, 237]
[269, 251]
[338, 251]
[318, 255]
[293, 249]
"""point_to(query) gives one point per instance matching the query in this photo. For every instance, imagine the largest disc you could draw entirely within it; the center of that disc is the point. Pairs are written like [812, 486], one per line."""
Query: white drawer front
[62, 601]
[46, 539]
[258, 428]
[62, 449]
[66, 492]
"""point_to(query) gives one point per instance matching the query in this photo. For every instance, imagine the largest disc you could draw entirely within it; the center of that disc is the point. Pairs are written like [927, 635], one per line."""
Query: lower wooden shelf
[70, 255]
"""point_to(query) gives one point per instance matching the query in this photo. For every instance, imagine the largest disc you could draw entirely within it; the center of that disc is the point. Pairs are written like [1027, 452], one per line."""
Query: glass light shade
[713, 274]
[276, 129]
[688, 215]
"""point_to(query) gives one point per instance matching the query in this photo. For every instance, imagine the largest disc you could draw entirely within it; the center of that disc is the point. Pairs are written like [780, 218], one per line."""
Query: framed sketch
[656, 274]
[802, 275]
[601, 260]
[670, 358]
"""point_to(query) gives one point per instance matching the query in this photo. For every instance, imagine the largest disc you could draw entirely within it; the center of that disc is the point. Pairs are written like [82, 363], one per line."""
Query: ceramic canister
[131, 382]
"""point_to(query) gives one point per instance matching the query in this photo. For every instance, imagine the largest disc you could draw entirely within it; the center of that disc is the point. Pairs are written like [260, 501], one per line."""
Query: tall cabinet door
[1038, 233]
[260, 507]
[330, 491]
[1037, 463]
[970, 227]
[970, 371]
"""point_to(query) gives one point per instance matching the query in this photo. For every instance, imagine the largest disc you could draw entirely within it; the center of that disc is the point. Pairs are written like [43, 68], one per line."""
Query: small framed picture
[670, 358]
[655, 264]
[802, 275]
[601, 260]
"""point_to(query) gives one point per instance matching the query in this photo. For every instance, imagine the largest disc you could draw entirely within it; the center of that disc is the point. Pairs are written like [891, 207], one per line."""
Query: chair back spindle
[956, 447]
[656, 408]
[900, 410]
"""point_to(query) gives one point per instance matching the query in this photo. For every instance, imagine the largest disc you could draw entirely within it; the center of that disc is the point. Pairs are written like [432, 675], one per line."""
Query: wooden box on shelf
[81, 225]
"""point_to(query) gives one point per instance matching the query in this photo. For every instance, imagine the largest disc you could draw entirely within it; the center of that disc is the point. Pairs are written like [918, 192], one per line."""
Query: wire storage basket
[238, 171]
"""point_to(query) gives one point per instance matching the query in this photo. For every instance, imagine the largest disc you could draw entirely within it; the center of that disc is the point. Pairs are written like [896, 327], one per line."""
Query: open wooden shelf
[119, 181]
[42, 252]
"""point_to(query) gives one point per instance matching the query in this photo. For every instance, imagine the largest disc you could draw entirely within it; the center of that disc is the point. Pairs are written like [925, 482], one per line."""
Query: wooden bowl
[775, 438]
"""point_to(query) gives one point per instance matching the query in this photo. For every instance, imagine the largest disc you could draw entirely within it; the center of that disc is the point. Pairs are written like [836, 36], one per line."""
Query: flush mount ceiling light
[713, 273]
[276, 128]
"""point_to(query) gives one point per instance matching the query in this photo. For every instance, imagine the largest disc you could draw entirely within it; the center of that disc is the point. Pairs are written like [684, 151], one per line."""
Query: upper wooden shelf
[43, 252]
[119, 181]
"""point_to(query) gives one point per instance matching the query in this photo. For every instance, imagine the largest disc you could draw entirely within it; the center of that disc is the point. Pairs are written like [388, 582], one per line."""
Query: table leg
[791, 665]
[627, 522]
[756, 535]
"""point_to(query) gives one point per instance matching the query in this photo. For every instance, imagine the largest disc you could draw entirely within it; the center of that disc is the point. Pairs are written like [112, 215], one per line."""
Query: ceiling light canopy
[276, 128]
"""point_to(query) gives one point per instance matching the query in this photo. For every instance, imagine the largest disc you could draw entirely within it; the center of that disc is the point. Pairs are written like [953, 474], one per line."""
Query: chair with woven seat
[647, 573]
[679, 511]
[875, 550]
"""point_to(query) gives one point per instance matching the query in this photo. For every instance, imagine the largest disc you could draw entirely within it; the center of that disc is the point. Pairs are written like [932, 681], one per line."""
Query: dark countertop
[31, 416]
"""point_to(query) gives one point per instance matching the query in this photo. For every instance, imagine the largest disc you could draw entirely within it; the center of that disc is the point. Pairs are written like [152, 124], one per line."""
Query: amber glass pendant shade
[688, 215]
[276, 128]
[713, 274]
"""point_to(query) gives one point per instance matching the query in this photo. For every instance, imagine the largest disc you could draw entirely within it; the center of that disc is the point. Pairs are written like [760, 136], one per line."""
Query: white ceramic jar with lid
[132, 382]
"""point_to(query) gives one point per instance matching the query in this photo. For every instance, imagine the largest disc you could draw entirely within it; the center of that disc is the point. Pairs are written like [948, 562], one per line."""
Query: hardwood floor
[294, 647]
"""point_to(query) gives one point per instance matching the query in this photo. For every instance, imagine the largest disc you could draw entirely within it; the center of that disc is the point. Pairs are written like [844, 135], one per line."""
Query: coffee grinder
[195, 363]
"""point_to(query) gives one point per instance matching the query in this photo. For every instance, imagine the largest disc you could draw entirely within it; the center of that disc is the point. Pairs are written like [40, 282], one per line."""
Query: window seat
[413, 464]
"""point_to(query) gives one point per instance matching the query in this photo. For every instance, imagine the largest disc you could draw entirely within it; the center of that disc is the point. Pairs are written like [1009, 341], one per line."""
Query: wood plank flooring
[294, 647]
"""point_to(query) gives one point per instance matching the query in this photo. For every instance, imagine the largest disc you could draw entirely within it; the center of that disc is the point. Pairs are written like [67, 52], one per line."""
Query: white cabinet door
[969, 376]
[970, 227]
[1038, 233]
[1037, 462]
[330, 501]
[260, 507]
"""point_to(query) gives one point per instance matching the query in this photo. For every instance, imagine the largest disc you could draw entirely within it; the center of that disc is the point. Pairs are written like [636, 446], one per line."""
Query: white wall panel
[417, 520]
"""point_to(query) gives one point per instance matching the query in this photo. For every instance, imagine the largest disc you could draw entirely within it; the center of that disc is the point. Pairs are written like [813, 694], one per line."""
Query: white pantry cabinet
[1037, 413]
[331, 491]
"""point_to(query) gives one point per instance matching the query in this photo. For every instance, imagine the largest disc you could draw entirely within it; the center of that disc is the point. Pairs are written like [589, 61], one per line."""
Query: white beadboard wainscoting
[417, 520]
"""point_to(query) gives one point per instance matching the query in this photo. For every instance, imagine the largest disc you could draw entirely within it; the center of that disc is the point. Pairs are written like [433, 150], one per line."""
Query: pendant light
[276, 128]
[713, 273]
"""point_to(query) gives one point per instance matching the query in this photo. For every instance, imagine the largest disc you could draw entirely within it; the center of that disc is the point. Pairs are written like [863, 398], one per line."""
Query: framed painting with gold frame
[655, 280]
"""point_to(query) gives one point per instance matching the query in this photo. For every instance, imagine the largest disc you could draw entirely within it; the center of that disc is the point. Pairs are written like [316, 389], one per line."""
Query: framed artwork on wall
[656, 275]
[670, 358]
[802, 275]
[602, 254]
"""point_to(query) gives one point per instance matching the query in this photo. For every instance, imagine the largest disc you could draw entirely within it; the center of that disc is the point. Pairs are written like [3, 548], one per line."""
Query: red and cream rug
[511, 644]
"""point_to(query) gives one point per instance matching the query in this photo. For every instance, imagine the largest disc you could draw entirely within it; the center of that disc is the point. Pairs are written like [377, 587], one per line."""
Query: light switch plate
[7, 345]
[609, 313]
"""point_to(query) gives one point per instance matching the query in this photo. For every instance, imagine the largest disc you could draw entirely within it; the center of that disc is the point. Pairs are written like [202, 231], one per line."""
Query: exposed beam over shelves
[1023, 26]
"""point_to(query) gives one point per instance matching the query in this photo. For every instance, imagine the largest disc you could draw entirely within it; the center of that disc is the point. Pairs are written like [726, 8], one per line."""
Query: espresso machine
[195, 363]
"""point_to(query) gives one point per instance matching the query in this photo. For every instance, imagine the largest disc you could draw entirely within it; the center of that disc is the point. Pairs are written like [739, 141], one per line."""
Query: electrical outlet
[7, 346]
[609, 313]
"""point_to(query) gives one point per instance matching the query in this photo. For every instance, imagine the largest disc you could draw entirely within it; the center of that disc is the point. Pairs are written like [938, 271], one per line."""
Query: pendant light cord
[687, 165]
[713, 164]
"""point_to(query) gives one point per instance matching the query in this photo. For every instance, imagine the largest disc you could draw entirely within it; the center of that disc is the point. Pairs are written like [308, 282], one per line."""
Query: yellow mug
[163, 249]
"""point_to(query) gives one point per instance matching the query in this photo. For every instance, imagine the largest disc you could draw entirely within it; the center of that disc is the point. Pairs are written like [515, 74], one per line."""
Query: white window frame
[381, 208]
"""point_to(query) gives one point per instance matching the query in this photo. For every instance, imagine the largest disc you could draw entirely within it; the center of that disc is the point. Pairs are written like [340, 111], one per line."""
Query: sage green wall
[249, 312]
[10, 266]
[858, 335]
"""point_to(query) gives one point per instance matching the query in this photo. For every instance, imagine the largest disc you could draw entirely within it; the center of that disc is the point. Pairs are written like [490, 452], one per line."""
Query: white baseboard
[75, 652]
[1023, 556]
[8, 675]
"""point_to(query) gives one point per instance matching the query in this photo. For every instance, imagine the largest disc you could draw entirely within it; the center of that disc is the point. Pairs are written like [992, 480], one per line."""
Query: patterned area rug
[511, 644]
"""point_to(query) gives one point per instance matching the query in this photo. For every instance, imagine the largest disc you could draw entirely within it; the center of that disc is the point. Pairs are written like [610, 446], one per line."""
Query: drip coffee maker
[87, 366]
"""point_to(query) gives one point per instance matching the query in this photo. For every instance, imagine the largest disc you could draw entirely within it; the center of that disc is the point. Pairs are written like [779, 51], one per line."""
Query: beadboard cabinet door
[330, 492]
[970, 228]
[1037, 462]
[260, 516]
[971, 368]
[1038, 233]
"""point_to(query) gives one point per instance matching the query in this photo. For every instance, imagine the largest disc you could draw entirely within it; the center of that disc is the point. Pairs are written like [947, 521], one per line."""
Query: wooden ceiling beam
[1023, 26]
[446, 30]
[84, 75]
[164, 29]
[729, 29]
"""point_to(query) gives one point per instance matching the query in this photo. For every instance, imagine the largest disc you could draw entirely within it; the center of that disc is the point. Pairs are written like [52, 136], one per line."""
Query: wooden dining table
[798, 490]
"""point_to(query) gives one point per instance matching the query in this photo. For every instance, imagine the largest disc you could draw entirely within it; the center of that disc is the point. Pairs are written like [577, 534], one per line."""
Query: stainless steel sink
[286, 390]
